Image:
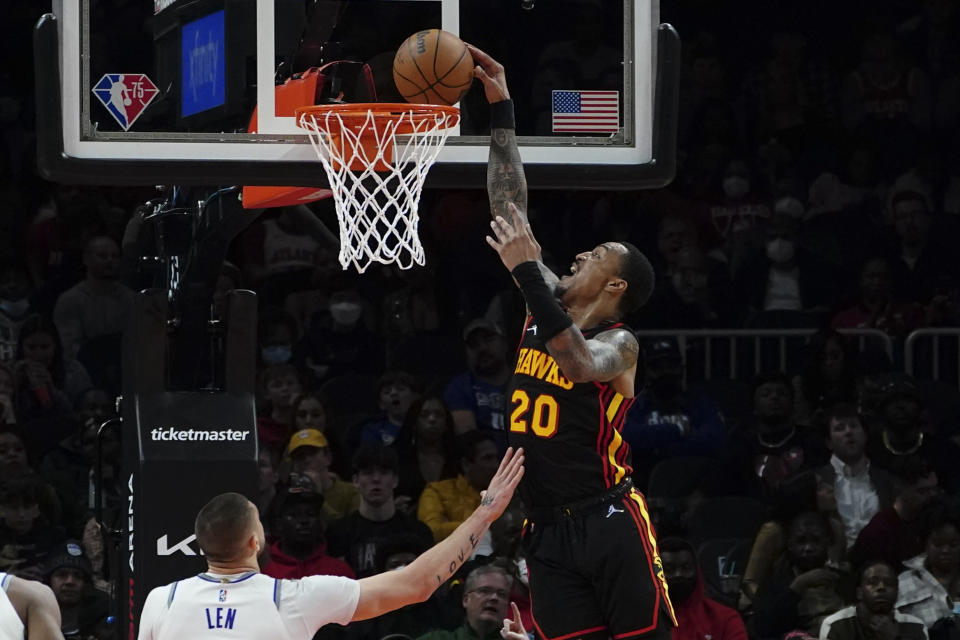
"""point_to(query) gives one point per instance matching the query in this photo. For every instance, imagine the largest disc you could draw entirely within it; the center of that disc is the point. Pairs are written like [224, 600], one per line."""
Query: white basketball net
[377, 210]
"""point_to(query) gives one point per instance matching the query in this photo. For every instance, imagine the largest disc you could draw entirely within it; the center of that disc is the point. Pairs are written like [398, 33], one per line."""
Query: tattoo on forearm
[622, 357]
[611, 353]
[462, 556]
[487, 500]
[506, 181]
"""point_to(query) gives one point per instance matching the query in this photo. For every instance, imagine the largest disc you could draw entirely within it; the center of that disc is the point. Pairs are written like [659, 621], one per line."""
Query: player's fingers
[478, 54]
[497, 225]
[505, 460]
[504, 229]
[493, 243]
[516, 614]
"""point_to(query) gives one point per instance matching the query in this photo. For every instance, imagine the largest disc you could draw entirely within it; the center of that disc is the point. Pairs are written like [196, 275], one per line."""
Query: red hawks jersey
[570, 433]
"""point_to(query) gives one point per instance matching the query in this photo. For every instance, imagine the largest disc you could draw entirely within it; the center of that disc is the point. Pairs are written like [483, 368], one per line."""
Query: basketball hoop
[377, 179]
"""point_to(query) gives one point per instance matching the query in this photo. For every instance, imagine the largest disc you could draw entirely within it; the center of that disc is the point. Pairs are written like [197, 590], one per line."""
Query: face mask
[735, 186]
[345, 312]
[15, 308]
[277, 354]
[522, 574]
[681, 589]
[780, 251]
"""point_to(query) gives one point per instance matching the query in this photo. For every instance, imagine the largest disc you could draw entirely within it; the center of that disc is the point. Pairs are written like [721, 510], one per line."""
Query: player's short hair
[638, 272]
[223, 527]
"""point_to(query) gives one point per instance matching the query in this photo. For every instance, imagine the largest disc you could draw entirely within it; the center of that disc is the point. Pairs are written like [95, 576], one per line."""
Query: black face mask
[681, 589]
[666, 387]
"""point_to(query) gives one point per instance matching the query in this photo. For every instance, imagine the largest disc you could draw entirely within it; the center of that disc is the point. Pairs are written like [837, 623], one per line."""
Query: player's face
[590, 272]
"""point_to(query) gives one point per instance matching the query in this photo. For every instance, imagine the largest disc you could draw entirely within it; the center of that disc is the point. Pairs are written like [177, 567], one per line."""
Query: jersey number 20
[542, 419]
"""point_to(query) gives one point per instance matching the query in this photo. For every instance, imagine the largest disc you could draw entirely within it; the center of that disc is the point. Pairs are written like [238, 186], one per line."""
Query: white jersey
[247, 606]
[11, 626]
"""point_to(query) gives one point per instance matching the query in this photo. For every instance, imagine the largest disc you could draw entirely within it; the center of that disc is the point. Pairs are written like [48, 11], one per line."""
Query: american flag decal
[586, 111]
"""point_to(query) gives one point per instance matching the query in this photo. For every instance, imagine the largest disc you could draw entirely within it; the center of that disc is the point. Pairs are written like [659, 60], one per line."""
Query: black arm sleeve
[550, 317]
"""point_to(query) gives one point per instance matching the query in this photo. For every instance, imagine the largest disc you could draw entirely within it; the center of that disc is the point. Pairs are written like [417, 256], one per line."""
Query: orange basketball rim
[363, 134]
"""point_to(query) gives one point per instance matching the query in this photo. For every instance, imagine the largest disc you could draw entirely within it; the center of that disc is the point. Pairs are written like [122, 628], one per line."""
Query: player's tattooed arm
[506, 181]
[600, 359]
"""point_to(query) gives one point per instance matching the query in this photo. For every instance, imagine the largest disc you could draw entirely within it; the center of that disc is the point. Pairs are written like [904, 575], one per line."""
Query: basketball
[433, 67]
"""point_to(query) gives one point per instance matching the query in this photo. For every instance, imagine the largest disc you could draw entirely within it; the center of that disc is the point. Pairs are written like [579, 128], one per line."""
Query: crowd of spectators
[818, 187]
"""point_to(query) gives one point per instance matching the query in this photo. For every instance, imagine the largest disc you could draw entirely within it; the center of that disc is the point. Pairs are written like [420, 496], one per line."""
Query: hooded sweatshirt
[700, 618]
[318, 563]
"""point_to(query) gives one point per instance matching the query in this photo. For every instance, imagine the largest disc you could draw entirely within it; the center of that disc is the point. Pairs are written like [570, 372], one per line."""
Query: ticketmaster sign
[198, 435]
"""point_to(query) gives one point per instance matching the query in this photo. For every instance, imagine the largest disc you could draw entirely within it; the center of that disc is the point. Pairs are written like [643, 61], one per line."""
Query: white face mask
[346, 313]
[735, 186]
[522, 575]
[780, 251]
[15, 308]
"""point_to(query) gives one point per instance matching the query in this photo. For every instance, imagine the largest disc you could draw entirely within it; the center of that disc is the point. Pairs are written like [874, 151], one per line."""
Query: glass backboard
[163, 92]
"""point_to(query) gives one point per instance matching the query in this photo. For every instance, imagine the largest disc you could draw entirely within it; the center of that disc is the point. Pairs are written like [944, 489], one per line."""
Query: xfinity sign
[171, 434]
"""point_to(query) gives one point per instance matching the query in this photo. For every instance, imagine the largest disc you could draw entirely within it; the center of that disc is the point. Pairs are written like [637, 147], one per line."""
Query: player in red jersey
[592, 559]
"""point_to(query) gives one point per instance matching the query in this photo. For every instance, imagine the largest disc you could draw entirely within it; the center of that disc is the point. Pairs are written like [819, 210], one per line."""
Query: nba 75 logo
[125, 96]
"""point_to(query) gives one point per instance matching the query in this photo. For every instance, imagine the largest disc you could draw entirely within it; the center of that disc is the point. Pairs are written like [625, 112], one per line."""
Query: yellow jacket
[444, 504]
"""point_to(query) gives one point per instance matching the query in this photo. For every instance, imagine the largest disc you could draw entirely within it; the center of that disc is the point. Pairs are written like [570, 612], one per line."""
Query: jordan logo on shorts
[612, 510]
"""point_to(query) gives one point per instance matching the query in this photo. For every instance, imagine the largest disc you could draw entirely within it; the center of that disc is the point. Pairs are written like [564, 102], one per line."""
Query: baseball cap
[300, 488]
[481, 323]
[67, 555]
[307, 438]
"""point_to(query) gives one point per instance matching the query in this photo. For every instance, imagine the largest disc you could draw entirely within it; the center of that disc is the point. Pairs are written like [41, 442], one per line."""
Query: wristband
[550, 317]
[501, 115]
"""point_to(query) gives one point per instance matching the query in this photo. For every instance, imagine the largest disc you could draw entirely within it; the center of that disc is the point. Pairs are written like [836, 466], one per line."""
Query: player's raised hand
[499, 492]
[514, 241]
[513, 629]
[491, 74]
